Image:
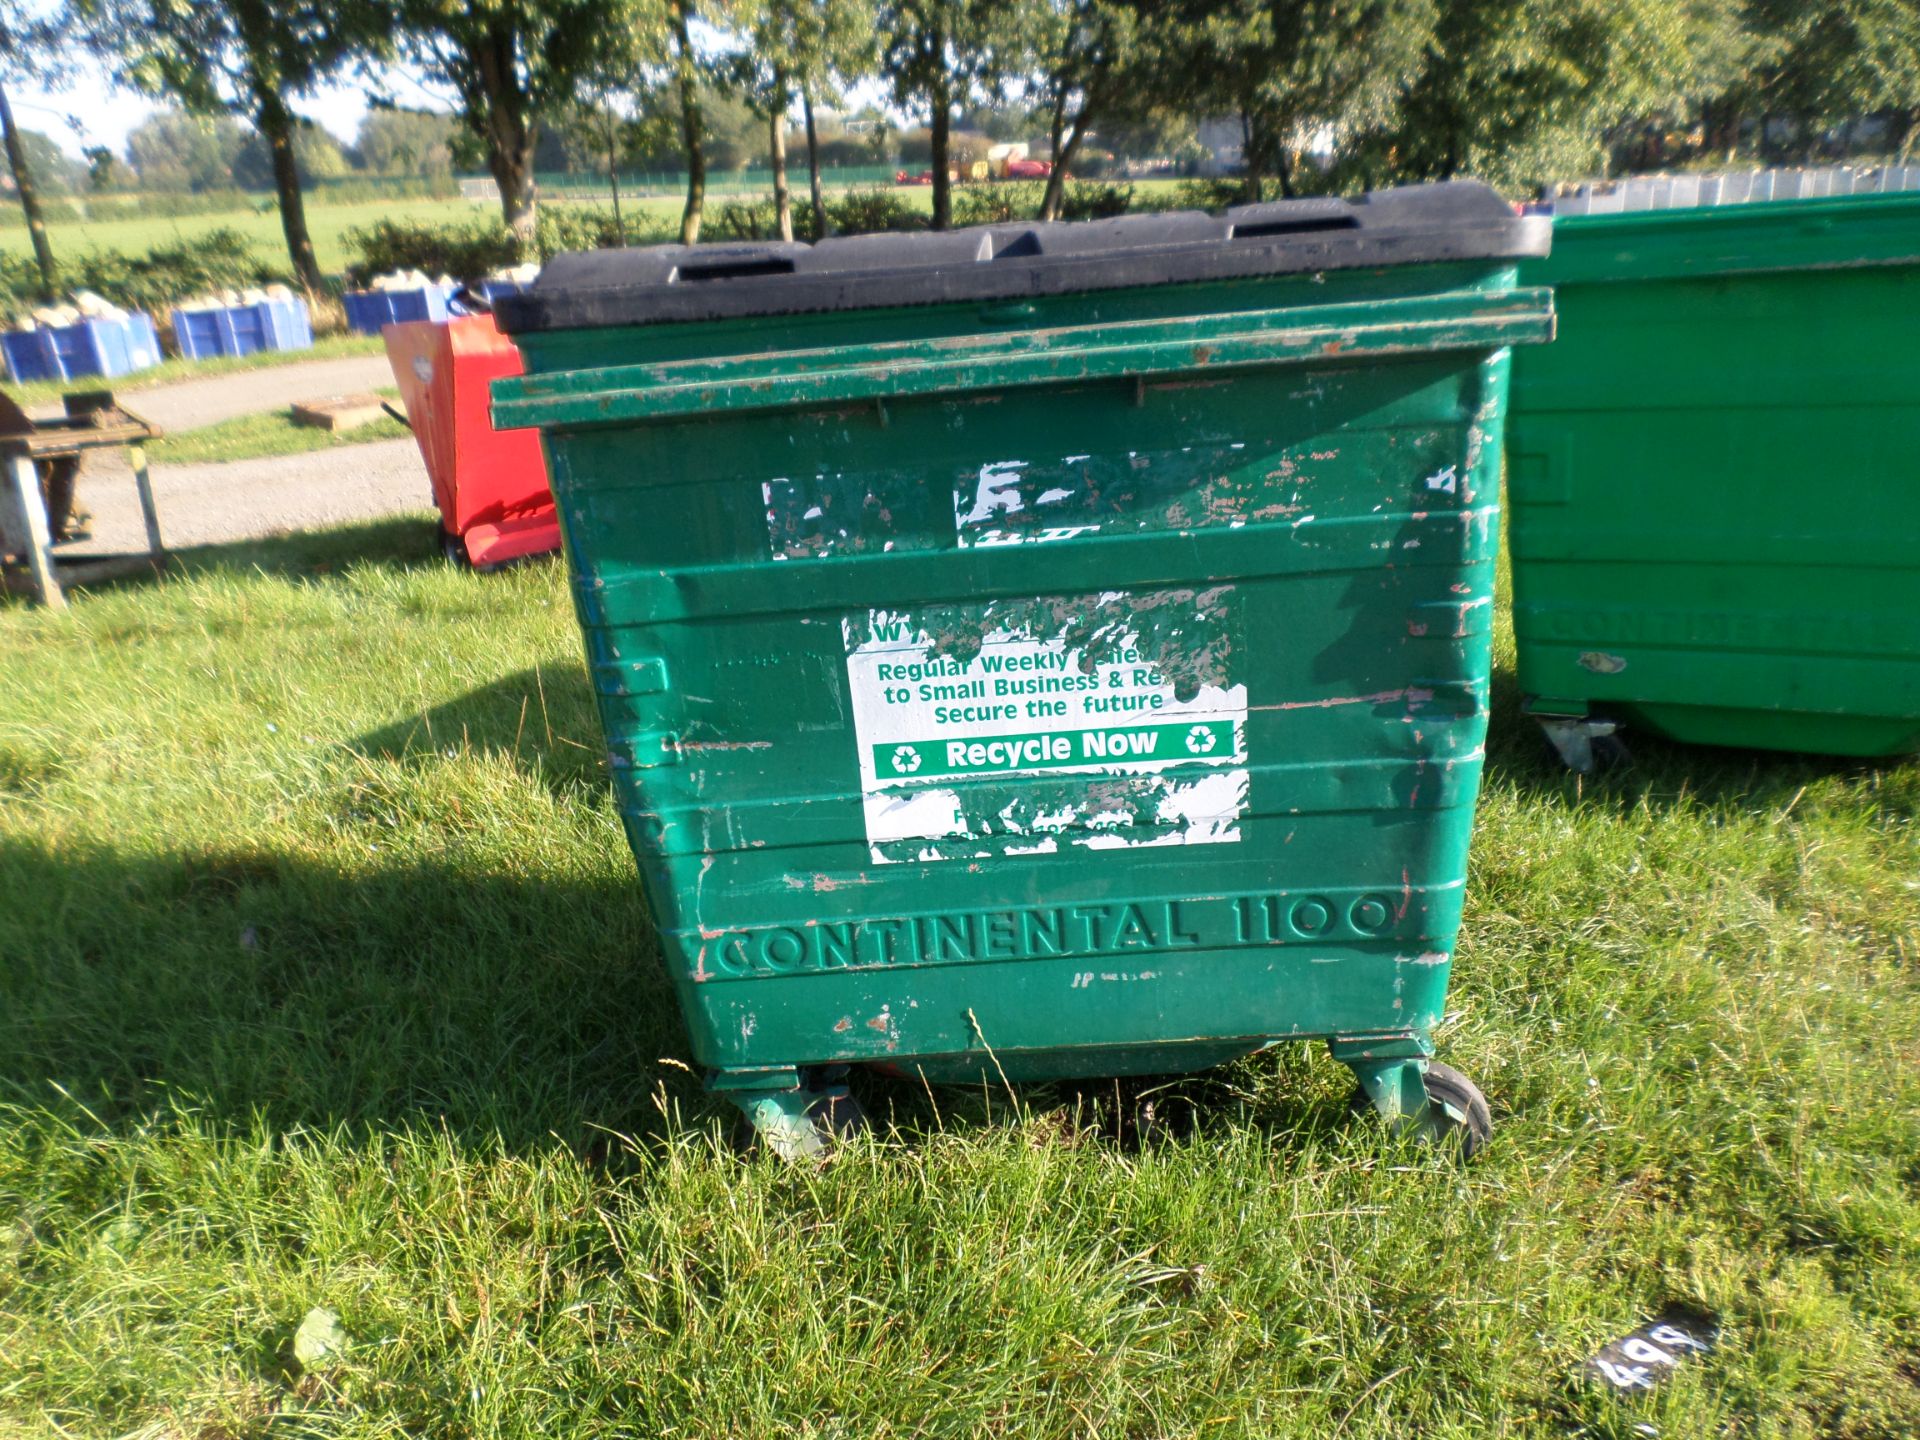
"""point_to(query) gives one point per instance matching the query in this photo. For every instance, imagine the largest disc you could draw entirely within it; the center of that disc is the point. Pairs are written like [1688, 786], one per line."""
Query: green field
[326, 984]
[328, 223]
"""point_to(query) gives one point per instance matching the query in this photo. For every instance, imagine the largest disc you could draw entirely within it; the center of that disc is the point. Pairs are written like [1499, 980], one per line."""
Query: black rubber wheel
[1609, 753]
[453, 547]
[1448, 1088]
[1449, 1094]
[838, 1117]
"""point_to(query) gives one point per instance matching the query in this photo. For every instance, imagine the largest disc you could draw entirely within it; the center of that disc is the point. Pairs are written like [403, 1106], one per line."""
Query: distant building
[1225, 143]
[1224, 140]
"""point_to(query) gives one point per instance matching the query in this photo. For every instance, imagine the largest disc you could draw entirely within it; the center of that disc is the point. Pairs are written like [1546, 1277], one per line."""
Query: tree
[604, 128]
[396, 141]
[1082, 50]
[509, 62]
[54, 171]
[686, 82]
[104, 170]
[1838, 59]
[685, 91]
[316, 156]
[172, 150]
[30, 48]
[1287, 70]
[613, 129]
[795, 50]
[1722, 56]
[1519, 91]
[938, 53]
[247, 58]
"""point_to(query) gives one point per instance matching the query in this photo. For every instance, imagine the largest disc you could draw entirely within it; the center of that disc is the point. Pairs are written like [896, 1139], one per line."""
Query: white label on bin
[1022, 726]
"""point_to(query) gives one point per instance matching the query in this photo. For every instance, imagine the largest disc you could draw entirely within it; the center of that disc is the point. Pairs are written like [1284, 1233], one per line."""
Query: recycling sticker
[1126, 687]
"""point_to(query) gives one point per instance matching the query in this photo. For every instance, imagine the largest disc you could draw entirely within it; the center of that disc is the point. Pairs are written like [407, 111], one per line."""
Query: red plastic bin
[491, 486]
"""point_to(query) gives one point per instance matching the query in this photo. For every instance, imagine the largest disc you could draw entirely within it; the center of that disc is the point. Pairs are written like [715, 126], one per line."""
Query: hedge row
[218, 260]
[471, 249]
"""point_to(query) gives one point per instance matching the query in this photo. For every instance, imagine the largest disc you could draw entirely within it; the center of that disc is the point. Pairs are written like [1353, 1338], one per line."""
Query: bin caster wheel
[1584, 745]
[1454, 1111]
[454, 549]
[800, 1124]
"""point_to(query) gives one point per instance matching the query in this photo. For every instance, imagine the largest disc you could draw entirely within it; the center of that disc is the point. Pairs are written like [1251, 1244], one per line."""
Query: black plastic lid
[1416, 225]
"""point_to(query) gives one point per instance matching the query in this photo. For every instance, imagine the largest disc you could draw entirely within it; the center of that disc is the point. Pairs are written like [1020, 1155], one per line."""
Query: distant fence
[1683, 192]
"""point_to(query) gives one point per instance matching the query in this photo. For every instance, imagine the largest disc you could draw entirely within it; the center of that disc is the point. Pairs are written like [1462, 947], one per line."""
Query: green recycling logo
[906, 759]
[1201, 739]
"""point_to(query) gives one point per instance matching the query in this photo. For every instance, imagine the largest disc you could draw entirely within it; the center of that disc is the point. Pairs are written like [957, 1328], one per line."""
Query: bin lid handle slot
[1305, 225]
[734, 269]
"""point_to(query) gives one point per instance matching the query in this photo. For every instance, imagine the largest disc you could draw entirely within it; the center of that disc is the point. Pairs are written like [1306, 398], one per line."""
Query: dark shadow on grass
[254, 985]
[405, 542]
[1661, 774]
[402, 542]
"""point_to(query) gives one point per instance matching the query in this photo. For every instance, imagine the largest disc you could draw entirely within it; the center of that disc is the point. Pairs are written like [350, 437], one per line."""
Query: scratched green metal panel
[1279, 568]
[1713, 480]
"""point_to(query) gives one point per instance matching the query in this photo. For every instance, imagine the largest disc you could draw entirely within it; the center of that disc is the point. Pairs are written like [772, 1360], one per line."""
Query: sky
[106, 115]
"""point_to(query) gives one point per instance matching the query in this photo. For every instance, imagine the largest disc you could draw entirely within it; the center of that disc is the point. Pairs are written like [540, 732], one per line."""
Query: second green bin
[1044, 651]
[1713, 475]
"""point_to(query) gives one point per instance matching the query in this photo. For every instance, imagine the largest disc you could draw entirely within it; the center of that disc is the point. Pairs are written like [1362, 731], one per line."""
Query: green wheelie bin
[1044, 651]
[1712, 474]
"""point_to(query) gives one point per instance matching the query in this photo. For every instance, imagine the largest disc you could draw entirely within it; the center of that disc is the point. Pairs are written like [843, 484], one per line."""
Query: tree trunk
[821, 228]
[1288, 160]
[276, 128]
[510, 137]
[512, 168]
[941, 135]
[613, 174]
[691, 126]
[1720, 132]
[777, 154]
[1906, 127]
[1056, 128]
[1254, 181]
[29, 201]
[1063, 157]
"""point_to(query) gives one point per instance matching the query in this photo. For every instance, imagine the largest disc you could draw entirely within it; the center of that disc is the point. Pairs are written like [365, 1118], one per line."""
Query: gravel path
[188, 404]
[193, 403]
[246, 499]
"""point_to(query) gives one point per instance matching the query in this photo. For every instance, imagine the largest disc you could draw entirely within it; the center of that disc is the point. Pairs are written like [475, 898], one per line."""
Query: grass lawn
[270, 432]
[327, 223]
[333, 347]
[326, 984]
[260, 224]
